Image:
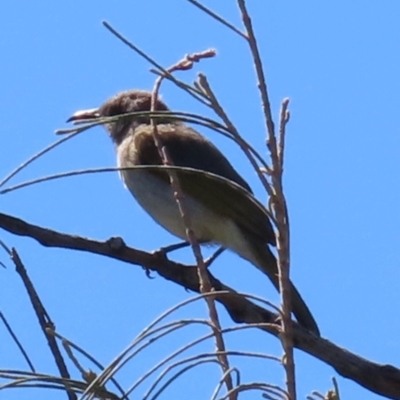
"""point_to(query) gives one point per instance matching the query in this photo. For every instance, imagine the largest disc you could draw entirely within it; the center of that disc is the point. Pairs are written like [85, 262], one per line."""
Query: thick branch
[378, 378]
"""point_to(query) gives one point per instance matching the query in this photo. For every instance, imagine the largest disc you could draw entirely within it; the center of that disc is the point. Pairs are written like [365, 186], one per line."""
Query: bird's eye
[111, 111]
[114, 111]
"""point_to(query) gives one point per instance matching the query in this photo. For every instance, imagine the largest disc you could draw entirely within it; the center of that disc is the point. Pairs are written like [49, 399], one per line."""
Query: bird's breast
[157, 198]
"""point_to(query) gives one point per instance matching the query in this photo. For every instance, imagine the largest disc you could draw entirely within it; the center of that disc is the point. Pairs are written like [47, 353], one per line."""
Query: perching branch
[240, 309]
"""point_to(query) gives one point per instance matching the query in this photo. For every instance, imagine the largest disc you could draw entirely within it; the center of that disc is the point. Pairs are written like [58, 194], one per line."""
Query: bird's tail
[264, 260]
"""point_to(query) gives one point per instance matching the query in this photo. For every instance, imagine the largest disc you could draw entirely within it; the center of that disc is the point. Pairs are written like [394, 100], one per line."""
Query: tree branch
[378, 378]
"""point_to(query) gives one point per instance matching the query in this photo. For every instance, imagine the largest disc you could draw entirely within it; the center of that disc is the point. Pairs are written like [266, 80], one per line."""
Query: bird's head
[120, 104]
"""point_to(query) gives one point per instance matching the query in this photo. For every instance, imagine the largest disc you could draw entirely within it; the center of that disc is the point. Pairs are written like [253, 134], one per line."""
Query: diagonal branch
[44, 320]
[378, 378]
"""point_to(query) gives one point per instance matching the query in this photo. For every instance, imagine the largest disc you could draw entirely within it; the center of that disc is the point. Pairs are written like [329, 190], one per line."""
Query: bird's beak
[80, 117]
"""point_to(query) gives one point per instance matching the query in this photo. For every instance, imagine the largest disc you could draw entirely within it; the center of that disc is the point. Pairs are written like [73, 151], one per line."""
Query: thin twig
[248, 151]
[68, 344]
[220, 19]
[284, 119]
[262, 386]
[190, 90]
[149, 336]
[283, 248]
[336, 389]
[44, 320]
[174, 377]
[17, 342]
[219, 110]
[278, 202]
[205, 284]
[222, 381]
[35, 157]
[239, 308]
[57, 176]
[262, 85]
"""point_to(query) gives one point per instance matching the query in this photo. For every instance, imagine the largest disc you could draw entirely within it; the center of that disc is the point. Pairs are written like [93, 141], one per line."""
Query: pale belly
[156, 198]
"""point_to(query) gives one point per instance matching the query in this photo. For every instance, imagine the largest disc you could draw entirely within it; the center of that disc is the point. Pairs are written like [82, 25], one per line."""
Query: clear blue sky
[338, 62]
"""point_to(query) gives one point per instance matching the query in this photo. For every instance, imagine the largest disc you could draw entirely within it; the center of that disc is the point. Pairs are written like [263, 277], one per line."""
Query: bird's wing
[205, 157]
[227, 198]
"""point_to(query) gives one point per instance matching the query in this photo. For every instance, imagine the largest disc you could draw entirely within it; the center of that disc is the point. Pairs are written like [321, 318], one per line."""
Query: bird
[220, 203]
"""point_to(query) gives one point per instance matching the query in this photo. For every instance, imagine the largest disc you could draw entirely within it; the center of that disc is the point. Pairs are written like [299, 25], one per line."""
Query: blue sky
[338, 62]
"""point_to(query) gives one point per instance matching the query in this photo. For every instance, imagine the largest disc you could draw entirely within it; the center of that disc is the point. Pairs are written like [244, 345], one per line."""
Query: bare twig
[153, 333]
[190, 90]
[24, 379]
[278, 202]
[262, 85]
[8, 326]
[284, 119]
[44, 320]
[35, 157]
[17, 342]
[218, 109]
[68, 345]
[198, 359]
[240, 309]
[222, 381]
[220, 19]
[57, 176]
[205, 284]
[336, 388]
[277, 392]
[283, 248]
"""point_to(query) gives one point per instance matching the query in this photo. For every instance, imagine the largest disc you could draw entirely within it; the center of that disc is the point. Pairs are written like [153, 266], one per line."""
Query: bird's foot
[216, 254]
[168, 249]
